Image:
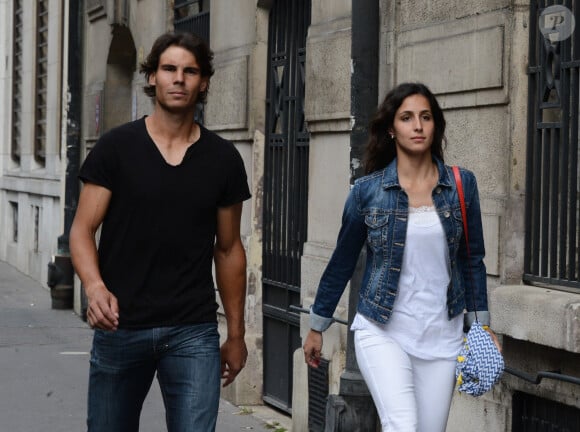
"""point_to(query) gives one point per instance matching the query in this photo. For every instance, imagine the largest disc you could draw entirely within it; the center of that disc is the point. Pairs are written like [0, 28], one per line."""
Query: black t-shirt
[157, 238]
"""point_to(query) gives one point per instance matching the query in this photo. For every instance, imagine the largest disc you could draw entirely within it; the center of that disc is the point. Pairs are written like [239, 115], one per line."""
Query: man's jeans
[123, 363]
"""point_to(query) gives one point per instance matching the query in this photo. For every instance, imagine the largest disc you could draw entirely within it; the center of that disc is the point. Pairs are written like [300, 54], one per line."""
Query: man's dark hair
[189, 41]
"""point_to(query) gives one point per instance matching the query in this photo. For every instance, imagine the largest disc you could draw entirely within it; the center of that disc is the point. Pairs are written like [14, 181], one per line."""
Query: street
[44, 362]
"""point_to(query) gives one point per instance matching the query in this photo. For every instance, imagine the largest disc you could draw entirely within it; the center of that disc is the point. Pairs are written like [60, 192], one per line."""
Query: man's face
[177, 80]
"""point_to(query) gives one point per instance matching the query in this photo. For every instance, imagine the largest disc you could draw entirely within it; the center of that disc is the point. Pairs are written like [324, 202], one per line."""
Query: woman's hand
[313, 348]
[494, 338]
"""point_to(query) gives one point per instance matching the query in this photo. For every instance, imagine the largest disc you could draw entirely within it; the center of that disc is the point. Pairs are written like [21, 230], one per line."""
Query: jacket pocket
[457, 225]
[376, 230]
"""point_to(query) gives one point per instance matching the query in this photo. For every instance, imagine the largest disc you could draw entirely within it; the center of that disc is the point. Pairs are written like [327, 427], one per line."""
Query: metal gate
[285, 195]
[532, 413]
[552, 242]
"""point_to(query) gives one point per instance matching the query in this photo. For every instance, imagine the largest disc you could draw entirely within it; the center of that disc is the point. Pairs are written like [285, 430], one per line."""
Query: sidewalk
[44, 362]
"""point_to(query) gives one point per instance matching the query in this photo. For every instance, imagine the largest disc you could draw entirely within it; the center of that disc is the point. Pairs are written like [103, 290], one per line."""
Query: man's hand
[233, 354]
[103, 310]
[313, 348]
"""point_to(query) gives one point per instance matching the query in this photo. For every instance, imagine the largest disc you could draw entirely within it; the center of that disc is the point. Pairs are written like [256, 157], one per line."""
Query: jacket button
[447, 214]
[438, 190]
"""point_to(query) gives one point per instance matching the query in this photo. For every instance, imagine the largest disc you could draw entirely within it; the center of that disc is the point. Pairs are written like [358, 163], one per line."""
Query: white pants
[410, 394]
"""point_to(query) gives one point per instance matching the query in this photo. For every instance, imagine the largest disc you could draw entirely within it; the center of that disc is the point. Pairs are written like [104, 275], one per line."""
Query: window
[192, 16]
[186, 9]
[36, 216]
[16, 81]
[531, 412]
[14, 218]
[552, 237]
[41, 80]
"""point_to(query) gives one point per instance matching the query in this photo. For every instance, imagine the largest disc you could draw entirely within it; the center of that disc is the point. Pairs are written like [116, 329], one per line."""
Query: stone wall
[236, 111]
[473, 55]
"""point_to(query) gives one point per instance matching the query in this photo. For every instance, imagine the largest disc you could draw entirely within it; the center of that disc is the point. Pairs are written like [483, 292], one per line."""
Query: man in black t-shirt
[167, 194]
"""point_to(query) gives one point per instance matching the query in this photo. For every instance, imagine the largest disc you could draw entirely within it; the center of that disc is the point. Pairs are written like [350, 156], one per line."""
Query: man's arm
[230, 269]
[102, 311]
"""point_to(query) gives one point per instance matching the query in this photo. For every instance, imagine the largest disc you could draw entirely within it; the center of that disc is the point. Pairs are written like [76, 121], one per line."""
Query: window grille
[36, 215]
[192, 16]
[533, 413]
[14, 217]
[551, 252]
[41, 80]
[15, 149]
[317, 396]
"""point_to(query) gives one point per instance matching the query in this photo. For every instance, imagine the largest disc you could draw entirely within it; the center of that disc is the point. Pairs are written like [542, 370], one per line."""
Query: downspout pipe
[364, 81]
[60, 269]
[353, 409]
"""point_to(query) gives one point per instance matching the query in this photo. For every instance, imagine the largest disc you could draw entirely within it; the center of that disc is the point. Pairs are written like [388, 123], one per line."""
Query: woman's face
[413, 126]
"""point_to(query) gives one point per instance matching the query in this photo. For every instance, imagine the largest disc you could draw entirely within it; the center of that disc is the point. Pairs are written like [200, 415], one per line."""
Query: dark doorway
[285, 195]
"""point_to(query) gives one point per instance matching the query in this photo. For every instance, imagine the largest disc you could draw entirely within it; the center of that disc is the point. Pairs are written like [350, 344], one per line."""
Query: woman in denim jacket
[417, 283]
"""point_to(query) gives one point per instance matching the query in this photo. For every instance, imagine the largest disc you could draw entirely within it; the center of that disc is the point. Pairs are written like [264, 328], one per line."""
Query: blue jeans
[124, 362]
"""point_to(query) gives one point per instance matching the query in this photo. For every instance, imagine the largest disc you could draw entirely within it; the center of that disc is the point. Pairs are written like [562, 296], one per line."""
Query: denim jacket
[376, 212]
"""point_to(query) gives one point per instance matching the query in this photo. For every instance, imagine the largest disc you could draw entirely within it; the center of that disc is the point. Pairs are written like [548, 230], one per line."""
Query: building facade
[31, 124]
[290, 77]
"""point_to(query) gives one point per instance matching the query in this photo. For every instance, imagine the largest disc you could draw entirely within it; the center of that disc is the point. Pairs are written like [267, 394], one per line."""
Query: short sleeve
[99, 165]
[236, 185]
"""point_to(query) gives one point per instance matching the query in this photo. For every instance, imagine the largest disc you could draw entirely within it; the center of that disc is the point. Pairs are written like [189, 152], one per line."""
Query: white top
[419, 322]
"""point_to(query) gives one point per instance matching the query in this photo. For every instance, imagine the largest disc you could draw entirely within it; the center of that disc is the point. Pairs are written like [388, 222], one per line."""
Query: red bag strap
[461, 196]
[462, 204]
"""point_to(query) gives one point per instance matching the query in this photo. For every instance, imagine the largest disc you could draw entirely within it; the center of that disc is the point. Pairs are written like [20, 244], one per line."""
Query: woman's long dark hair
[381, 148]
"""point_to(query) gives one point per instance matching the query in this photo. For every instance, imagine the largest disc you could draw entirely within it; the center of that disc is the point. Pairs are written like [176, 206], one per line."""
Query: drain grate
[317, 395]
[533, 413]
